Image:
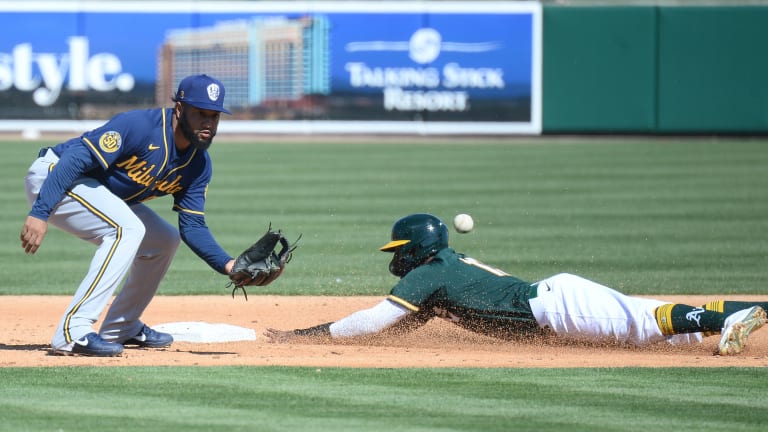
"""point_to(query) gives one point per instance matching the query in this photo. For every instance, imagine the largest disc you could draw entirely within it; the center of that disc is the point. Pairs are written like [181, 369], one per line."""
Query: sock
[729, 306]
[679, 318]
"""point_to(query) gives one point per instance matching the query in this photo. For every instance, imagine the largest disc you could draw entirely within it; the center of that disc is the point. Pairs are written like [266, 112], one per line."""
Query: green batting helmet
[415, 238]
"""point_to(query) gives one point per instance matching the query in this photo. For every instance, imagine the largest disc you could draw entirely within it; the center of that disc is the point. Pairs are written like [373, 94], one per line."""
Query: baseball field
[681, 219]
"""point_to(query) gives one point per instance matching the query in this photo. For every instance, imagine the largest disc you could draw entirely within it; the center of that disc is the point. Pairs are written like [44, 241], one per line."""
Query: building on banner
[398, 67]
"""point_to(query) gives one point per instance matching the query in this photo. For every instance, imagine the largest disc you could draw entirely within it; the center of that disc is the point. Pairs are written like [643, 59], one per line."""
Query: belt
[43, 151]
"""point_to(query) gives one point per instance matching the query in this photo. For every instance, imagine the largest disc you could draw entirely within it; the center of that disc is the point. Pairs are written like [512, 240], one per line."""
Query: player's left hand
[32, 234]
[279, 336]
[261, 264]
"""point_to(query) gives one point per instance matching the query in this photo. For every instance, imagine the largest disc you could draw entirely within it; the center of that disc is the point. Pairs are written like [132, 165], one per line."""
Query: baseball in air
[463, 223]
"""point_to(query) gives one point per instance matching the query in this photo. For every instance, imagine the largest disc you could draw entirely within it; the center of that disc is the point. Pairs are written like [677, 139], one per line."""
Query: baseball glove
[261, 264]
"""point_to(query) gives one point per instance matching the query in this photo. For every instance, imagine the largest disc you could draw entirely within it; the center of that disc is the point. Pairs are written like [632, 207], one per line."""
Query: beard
[191, 136]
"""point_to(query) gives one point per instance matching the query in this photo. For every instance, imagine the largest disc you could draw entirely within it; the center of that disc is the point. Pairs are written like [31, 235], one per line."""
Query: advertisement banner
[394, 67]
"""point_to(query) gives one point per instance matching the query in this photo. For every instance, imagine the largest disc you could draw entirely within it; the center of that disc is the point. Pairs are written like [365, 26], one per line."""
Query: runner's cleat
[737, 328]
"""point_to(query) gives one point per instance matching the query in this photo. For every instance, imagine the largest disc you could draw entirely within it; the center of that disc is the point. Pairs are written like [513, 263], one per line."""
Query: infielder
[94, 187]
[436, 281]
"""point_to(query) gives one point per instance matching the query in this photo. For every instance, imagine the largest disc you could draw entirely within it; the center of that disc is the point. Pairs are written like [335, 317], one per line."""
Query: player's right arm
[71, 165]
[361, 323]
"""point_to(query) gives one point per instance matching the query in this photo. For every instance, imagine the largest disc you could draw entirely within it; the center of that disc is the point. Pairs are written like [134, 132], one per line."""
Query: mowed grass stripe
[656, 216]
[342, 399]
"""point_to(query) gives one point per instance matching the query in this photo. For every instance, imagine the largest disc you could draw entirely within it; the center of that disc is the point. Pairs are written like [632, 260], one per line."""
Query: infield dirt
[27, 323]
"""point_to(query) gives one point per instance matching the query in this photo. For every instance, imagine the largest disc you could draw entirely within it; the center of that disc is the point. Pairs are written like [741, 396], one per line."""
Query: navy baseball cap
[203, 92]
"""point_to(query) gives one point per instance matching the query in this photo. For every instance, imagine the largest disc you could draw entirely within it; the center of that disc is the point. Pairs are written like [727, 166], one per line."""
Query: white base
[206, 332]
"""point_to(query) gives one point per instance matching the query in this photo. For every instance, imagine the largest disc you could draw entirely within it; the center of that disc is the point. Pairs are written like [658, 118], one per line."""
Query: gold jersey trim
[403, 303]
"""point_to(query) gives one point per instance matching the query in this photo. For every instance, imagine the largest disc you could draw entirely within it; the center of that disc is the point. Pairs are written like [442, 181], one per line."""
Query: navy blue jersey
[139, 161]
[134, 155]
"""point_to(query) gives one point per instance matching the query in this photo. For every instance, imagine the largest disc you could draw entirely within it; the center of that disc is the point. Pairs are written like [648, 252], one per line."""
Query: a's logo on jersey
[213, 92]
[110, 141]
[153, 147]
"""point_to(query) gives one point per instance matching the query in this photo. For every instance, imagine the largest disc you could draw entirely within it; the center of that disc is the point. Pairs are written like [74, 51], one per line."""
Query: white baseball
[463, 223]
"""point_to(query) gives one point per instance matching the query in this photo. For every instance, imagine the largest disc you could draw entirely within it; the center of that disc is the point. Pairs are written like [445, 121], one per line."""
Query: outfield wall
[655, 69]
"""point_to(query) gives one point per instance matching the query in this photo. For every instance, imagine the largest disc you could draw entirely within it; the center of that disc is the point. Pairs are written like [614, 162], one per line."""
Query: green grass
[338, 399]
[656, 216]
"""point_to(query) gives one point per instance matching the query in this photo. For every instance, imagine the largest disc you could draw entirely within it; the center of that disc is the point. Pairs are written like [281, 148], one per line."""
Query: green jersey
[468, 292]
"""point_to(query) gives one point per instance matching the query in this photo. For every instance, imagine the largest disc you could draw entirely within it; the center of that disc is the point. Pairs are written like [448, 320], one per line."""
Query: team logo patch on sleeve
[110, 141]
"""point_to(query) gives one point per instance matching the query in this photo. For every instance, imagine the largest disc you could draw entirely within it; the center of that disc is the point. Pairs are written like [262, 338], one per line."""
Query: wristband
[319, 330]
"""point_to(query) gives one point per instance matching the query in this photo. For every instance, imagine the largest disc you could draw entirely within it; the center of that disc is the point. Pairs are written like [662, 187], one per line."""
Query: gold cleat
[737, 328]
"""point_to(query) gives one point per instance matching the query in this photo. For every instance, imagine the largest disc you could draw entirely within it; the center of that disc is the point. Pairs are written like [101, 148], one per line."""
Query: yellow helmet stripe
[393, 244]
